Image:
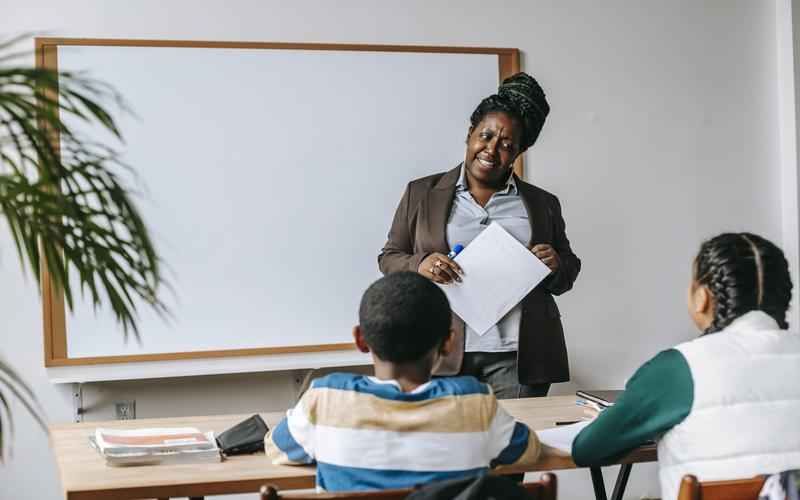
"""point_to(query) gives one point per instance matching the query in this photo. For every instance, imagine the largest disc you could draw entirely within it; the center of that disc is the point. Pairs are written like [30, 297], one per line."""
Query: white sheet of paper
[562, 436]
[499, 271]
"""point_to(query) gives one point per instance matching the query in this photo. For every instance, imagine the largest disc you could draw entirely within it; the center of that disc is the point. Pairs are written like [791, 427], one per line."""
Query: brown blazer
[419, 228]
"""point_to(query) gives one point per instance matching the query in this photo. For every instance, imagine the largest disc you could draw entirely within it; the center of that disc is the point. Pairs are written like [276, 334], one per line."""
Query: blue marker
[455, 251]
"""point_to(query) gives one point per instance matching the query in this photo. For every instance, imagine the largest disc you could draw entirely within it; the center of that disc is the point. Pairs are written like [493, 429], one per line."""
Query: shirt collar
[396, 384]
[509, 188]
[754, 320]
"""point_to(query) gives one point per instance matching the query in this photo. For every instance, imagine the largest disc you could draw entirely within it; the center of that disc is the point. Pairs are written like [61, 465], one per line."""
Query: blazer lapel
[538, 214]
[440, 202]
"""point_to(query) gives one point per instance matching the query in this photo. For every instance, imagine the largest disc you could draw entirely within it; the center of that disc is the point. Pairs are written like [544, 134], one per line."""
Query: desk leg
[622, 481]
[598, 483]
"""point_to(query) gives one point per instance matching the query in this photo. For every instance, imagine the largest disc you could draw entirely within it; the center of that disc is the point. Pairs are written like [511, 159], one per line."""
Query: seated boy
[399, 428]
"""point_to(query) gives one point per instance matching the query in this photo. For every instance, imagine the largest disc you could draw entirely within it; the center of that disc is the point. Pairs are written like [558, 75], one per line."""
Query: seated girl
[727, 404]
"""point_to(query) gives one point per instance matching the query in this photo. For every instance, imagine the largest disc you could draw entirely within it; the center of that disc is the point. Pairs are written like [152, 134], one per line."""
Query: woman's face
[492, 147]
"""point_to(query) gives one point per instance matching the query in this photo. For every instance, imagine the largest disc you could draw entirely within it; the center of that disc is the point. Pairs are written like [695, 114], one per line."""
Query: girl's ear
[703, 299]
[701, 305]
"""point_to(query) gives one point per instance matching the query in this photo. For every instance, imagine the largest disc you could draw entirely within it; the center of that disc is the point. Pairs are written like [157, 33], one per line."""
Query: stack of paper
[173, 445]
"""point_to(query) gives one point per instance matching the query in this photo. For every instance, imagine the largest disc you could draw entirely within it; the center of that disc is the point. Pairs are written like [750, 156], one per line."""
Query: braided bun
[521, 97]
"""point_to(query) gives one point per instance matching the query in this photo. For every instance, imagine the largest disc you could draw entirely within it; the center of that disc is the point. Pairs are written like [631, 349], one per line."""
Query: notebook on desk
[603, 398]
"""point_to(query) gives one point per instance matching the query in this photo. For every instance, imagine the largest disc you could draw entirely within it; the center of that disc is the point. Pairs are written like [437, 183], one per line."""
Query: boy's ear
[358, 337]
[449, 343]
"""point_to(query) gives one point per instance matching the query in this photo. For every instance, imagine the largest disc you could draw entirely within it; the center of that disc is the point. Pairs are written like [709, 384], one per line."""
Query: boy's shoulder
[462, 386]
[436, 388]
[339, 380]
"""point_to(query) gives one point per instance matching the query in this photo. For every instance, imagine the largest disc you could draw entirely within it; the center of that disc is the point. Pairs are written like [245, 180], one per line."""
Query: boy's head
[403, 318]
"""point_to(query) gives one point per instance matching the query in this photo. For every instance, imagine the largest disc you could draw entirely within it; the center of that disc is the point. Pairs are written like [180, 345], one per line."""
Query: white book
[153, 439]
[155, 446]
[168, 458]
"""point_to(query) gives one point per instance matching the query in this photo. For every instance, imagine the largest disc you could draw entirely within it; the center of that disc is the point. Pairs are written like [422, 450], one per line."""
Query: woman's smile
[486, 163]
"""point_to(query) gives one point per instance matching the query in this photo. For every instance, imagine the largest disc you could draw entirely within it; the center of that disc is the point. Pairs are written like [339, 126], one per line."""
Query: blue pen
[452, 255]
[455, 251]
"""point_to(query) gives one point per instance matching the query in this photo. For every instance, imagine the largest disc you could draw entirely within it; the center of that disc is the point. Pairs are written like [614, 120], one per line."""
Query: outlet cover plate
[125, 410]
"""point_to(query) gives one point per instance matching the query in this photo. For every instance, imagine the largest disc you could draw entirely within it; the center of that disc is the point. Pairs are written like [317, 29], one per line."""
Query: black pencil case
[245, 437]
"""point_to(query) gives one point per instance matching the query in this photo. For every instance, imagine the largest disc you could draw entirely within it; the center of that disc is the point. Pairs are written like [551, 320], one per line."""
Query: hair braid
[744, 272]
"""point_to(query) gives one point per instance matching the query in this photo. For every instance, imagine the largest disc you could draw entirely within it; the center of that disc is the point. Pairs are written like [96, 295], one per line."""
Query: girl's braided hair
[744, 272]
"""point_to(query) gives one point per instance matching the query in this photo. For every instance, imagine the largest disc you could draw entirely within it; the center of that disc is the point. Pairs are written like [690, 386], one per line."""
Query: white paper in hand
[499, 271]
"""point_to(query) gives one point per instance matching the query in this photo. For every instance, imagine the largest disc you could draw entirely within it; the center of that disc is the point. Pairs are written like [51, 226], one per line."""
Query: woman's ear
[358, 337]
[469, 133]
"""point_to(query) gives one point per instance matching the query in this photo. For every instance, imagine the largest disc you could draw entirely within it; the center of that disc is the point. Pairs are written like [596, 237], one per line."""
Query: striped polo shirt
[365, 433]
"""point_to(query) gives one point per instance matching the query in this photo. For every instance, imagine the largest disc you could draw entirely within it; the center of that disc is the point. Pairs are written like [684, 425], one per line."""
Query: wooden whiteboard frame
[53, 305]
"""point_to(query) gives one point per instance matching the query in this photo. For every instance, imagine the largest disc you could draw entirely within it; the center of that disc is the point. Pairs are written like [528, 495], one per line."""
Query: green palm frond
[23, 393]
[63, 198]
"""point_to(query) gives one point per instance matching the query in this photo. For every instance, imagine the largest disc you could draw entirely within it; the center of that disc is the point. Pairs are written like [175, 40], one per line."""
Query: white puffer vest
[745, 416]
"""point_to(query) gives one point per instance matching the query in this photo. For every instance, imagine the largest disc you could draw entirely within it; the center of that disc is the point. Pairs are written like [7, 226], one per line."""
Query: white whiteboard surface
[270, 178]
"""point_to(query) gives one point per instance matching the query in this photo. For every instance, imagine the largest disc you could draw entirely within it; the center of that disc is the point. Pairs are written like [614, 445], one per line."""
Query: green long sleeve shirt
[657, 398]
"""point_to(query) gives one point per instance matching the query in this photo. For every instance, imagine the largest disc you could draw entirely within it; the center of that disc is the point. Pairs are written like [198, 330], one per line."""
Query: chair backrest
[735, 489]
[544, 489]
[271, 493]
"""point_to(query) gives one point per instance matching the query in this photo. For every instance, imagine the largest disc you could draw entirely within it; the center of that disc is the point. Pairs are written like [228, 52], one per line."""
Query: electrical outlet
[125, 410]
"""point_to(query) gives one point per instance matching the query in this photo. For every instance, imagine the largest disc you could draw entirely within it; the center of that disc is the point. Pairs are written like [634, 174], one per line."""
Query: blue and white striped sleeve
[291, 441]
[519, 445]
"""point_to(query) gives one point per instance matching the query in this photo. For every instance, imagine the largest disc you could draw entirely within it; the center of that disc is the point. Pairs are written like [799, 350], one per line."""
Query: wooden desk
[84, 474]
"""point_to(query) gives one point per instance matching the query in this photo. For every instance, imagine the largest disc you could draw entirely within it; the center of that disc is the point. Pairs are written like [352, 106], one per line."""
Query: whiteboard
[269, 179]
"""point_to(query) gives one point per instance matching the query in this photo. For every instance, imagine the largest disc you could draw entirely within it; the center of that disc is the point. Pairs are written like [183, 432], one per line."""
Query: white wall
[664, 131]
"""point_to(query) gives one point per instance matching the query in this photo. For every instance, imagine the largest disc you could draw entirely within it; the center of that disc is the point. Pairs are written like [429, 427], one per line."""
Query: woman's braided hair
[744, 272]
[520, 97]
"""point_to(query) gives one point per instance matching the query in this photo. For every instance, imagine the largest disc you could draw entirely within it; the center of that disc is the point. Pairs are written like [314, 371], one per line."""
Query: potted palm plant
[66, 203]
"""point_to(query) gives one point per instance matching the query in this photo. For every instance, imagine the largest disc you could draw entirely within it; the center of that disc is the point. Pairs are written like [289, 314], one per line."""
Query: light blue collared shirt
[467, 220]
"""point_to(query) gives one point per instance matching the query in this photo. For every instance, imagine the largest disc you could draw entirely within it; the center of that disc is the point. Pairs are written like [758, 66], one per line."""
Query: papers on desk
[172, 445]
[562, 436]
[498, 272]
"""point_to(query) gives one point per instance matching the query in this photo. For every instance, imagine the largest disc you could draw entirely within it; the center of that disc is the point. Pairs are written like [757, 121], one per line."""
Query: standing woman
[525, 351]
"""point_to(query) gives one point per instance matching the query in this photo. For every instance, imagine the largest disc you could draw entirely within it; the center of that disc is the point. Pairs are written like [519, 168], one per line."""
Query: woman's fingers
[453, 264]
[447, 271]
[542, 250]
[547, 255]
[439, 268]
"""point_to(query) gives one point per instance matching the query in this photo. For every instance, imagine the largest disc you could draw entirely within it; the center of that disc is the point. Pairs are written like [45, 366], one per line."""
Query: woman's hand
[439, 268]
[548, 255]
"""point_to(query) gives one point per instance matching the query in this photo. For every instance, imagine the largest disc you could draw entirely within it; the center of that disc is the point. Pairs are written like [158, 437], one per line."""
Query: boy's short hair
[403, 316]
